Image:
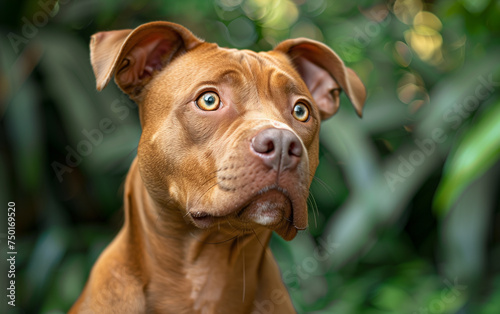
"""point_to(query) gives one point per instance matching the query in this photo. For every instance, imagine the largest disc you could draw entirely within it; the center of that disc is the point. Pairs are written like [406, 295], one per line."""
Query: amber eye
[208, 101]
[301, 112]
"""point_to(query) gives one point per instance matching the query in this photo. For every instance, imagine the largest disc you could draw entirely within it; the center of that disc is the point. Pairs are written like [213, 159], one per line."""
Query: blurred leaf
[449, 107]
[68, 284]
[48, 252]
[446, 300]
[466, 228]
[346, 140]
[492, 304]
[378, 109]
[476, 153]
[25, 133]
[391, 298]
[71, 83]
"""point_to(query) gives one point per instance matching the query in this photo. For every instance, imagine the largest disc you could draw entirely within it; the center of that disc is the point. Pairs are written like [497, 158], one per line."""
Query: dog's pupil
[299, 111]
[210, 99]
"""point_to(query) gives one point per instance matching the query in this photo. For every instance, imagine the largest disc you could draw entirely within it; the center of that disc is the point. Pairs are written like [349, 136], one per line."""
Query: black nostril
[263, 144]
[270, 147]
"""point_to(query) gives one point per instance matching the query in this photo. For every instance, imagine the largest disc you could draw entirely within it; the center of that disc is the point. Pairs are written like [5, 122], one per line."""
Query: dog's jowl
[227, 154]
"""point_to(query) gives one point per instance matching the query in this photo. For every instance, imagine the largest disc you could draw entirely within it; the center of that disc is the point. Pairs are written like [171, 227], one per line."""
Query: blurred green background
[405, 207]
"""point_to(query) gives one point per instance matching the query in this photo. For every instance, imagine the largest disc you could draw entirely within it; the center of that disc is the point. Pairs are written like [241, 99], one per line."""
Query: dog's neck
[205, 268]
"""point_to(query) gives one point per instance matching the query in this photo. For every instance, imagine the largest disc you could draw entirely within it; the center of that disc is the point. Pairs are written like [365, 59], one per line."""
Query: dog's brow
[229, 76]
[290, 85]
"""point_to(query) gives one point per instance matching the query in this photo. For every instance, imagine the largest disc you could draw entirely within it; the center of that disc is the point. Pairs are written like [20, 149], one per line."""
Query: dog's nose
[279, 149]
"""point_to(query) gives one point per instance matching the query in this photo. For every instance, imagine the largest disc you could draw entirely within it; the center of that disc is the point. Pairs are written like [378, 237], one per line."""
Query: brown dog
[227, 154]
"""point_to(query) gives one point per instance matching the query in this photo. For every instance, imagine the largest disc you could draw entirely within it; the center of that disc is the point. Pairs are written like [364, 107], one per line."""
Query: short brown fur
[202, 197]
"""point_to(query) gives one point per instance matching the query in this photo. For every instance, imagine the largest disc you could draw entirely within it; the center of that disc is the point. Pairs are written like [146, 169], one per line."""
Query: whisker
[314, 207]
[268, 254]
[323, 185]
[229, 223]
[244, 269]
[211, 178]
[199, 198]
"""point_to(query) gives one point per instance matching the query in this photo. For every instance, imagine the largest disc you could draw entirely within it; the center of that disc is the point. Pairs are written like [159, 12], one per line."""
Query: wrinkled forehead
[245, 67]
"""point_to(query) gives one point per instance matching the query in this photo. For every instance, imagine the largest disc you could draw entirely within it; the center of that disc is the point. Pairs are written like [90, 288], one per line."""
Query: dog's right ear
[135, 56]
[324, 74]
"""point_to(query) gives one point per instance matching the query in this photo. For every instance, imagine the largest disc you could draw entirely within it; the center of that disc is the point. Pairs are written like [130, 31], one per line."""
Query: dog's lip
[204, 219]
[263, 191]
[199, 214]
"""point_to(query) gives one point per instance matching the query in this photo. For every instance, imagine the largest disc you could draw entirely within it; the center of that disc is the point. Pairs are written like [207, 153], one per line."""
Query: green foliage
[477, 152]
[404, 207]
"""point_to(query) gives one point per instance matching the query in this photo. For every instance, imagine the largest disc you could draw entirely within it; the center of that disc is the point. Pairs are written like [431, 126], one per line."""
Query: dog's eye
[301, 112]
[208, 101]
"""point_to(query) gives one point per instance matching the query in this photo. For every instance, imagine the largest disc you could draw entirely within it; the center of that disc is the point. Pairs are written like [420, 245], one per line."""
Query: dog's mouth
[271, 207]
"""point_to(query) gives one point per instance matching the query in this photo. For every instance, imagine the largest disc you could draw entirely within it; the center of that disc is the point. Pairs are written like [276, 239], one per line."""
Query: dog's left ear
[135, 56]
[324, 74]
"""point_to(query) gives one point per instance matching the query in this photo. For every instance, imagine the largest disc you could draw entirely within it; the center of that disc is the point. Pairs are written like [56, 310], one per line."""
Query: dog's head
[229, 136]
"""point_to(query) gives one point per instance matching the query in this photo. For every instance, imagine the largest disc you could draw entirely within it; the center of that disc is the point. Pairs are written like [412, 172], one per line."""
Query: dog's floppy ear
[324, 74]
[134, 56]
